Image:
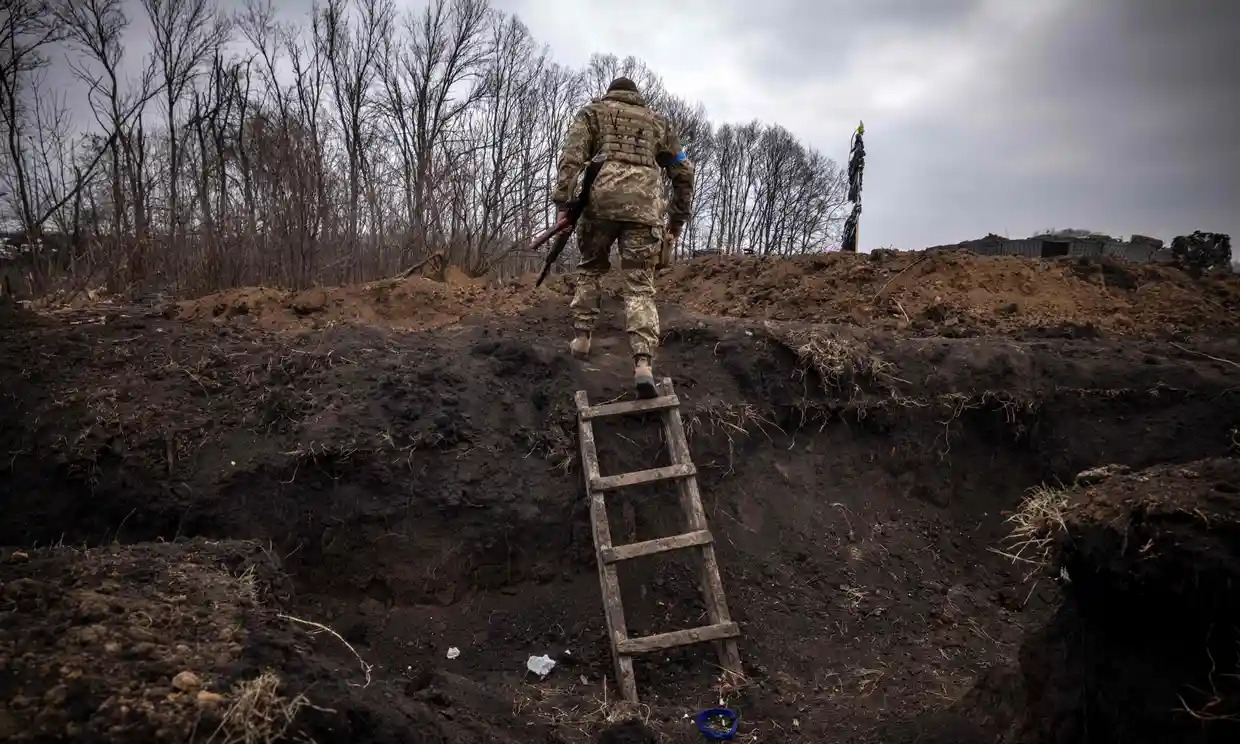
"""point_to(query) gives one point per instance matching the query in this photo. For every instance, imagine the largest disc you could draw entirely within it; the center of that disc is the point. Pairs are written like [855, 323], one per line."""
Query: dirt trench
[420, 492]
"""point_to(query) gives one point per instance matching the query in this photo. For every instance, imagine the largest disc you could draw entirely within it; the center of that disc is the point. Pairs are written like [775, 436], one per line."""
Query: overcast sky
[1006, 116]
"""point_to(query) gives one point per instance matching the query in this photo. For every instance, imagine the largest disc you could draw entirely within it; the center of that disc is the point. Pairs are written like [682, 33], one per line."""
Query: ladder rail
[609, 579]
[721, 630]
[691, 503]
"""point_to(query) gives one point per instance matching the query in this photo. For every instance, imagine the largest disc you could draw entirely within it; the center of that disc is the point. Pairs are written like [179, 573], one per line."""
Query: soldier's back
[629, 187]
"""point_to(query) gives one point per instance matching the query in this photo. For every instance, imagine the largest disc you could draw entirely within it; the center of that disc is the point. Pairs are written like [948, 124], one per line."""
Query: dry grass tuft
[729, 684]
[1035, 523]
[556, 442]
[843, 364]
[259, 714]
[567, 710]
[247, 585]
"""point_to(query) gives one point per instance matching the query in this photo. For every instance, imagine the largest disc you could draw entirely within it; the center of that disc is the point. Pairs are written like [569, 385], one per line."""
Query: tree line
[340, 147]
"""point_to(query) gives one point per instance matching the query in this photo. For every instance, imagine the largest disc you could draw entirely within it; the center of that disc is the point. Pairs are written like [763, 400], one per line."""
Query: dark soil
[165, 642]
[1146, 645]
[421, 492]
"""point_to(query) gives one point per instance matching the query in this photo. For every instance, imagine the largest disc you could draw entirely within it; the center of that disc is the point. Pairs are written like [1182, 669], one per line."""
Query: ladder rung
[657, 545]
[638, 477]
[676, 638]
[630, 406]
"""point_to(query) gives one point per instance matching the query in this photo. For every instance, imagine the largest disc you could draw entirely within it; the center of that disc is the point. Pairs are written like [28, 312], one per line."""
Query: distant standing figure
[626, 206]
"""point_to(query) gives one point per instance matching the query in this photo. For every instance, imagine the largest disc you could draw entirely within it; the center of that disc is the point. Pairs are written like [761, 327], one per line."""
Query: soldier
[626, 206]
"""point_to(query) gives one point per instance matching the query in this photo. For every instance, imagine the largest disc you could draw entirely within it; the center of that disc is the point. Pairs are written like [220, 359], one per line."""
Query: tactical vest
[629, 134]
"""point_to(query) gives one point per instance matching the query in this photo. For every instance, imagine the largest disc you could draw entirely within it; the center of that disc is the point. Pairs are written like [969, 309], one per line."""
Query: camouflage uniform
[626, 204]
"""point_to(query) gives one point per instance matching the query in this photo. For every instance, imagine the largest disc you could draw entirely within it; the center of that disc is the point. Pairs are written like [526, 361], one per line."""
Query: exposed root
[731, 421]
[1220, 360]
[259, 714]
[320, 628]
[844, 365]
[1207, 712]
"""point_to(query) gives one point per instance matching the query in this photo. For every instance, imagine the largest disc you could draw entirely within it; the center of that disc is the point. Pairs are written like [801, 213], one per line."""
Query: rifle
[563, 228]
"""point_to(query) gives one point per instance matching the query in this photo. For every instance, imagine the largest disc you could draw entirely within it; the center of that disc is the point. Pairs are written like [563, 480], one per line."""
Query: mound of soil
[120, 644]
[925, 294]
[955, 293]
[422, 493]
[412, 304]
[188, 642]
[1146, 644]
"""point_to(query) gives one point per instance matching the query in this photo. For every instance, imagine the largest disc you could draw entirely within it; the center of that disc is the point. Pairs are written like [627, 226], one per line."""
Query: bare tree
[353, 52]
[603, 68]
[430, 80]
[94, 27]
[184, 35]
[345, 146]
[27, 28]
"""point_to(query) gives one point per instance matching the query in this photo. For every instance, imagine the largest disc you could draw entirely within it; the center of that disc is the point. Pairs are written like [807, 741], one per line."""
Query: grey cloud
[806, 39]
[1120, 117]
[1125, 113]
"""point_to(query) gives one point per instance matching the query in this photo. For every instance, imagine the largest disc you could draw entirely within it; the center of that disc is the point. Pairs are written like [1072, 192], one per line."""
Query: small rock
[56, 696]
[1097, 475]
[9, 727]
[186, 681]
[209, 700]
[142, 650]
[90, 635]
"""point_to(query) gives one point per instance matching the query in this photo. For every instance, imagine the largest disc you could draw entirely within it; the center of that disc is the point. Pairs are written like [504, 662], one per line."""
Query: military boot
[580, 345]
[643, 378]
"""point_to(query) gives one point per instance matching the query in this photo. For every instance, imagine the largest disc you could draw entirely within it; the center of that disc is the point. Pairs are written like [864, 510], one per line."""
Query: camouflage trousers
[639, 253]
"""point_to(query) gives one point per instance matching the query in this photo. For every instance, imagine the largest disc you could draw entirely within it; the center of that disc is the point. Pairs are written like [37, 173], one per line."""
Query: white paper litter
[540, 665]
[454, 652]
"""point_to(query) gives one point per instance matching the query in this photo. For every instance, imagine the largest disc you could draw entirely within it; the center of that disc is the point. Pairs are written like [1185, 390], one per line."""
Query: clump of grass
[1035, 524]
[259, 713]
[567, 710]
[843, 364]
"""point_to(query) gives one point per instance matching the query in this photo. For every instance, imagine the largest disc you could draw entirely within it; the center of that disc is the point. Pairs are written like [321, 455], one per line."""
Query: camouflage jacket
[638, 142]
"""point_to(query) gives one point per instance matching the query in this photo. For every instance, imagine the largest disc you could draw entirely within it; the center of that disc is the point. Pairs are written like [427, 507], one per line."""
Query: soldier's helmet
[622, 83]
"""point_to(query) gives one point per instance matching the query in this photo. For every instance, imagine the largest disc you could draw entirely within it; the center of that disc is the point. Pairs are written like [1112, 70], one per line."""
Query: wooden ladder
[721, 630]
